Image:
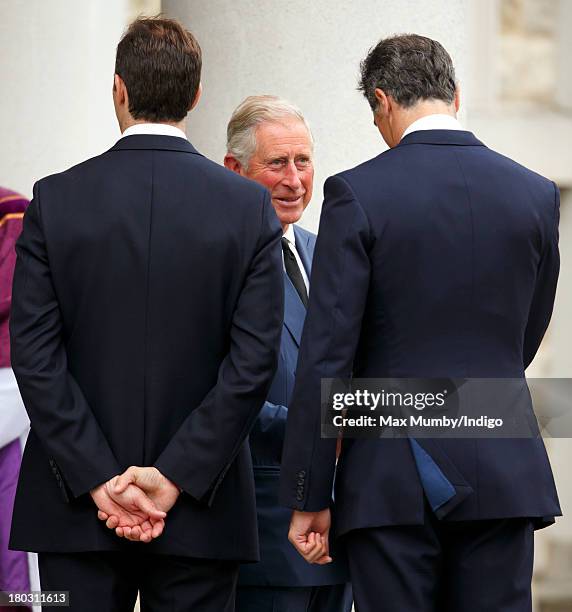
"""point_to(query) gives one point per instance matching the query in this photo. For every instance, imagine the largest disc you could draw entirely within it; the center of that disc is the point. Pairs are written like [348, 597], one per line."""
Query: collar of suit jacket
[154, 141]
[441, 137]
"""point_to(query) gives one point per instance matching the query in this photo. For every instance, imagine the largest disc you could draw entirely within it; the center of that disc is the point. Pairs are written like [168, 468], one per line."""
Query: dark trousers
[334, 598]
[109, 582]
[476, 566]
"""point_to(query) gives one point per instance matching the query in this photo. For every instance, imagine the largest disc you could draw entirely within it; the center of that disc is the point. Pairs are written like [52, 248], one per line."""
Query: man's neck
[127, 123]
[420, 110]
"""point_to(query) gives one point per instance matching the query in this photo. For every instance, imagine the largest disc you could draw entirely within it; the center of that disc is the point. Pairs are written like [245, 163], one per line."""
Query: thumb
[124, 480]
[147, 506]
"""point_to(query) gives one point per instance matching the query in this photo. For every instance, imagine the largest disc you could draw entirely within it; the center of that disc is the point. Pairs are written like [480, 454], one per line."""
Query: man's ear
[457, 100]
[383, 101]
[119, 89]
[233, 164]
[197, 97]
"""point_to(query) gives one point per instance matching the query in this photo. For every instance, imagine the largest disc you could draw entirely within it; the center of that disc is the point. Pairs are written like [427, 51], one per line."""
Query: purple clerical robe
[12, 208]
[14, 572]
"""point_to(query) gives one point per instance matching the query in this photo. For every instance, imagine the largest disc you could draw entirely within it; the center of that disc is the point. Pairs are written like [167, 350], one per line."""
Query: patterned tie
[293, 271]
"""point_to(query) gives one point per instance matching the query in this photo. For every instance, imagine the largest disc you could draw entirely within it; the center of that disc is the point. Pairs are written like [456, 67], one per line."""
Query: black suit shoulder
[224, 177]
[387, 169]
[534, 182]
[194, 162]
[192, 173]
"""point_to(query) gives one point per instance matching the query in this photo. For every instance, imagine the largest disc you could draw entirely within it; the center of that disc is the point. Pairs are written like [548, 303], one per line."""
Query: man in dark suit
[146, 320]
[269, 141]
[438, 258]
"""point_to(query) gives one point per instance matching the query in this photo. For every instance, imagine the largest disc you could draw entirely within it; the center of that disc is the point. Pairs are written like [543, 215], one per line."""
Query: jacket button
[302, 473]
[299, 497]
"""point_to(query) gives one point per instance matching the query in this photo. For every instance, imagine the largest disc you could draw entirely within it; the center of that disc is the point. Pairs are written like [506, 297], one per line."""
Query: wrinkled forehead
[283, 136]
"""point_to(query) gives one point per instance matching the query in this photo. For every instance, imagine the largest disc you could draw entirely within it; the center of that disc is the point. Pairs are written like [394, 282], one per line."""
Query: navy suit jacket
[146, 319]
[280, 564]
[438, 258]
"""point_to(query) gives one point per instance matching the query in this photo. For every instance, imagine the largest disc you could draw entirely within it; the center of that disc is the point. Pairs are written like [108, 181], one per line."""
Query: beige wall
[56, 68]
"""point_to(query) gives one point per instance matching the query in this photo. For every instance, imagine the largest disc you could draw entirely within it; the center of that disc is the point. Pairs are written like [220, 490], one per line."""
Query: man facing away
[438, 258]
[269, 141]
[146, 321]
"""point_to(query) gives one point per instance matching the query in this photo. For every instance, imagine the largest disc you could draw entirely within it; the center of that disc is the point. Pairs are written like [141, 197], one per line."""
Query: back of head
[248, 115]
[160, 64]
[409, 68]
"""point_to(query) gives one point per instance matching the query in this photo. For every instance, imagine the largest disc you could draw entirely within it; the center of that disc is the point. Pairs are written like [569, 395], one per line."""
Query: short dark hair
[160, 64]
[409, 68]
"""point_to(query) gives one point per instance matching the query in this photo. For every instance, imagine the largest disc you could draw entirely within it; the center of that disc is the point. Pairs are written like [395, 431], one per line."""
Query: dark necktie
[293, 271]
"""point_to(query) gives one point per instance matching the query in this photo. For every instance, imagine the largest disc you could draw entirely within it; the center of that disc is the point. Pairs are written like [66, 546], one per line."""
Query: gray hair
[248, 115]
[409, 68]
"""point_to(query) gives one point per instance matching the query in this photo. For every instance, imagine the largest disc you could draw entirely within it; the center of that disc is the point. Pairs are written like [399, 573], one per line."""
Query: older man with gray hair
[269, 141]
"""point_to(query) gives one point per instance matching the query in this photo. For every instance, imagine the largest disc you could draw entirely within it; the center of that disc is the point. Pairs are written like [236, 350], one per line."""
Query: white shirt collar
[158, 129]
[433, 122]
[290, 236]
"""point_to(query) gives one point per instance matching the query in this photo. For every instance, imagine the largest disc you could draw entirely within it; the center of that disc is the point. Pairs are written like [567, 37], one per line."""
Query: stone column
[564, 87]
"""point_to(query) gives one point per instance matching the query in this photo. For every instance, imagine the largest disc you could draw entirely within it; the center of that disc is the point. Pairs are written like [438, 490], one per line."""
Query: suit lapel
[304, 249]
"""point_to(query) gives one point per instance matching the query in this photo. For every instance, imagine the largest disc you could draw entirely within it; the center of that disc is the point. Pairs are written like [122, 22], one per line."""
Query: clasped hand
[135, 503]
[310, 533]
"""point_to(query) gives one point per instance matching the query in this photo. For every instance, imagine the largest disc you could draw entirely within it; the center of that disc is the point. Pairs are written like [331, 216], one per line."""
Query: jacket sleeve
[59, 413]
[204, 447]
[340, 282]
[545, 288]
